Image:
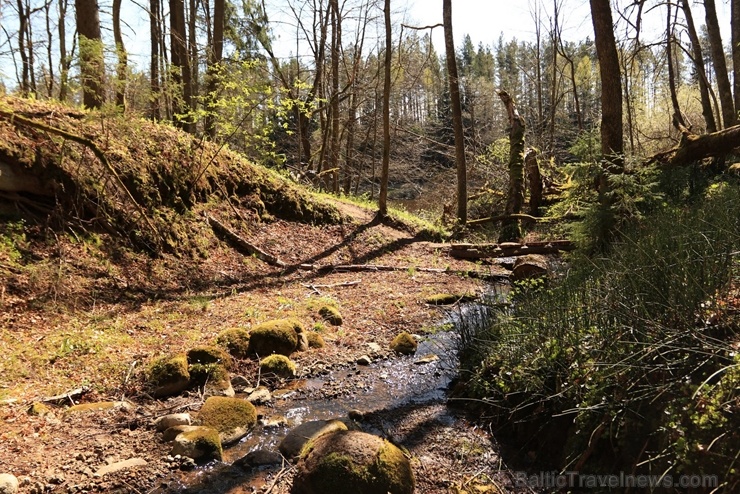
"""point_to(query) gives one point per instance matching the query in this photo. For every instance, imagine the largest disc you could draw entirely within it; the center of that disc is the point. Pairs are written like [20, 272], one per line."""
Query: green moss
[39, 409]
[168, 373]
[315, 340]
[445, 299]
[227, 414]
[214, 374]
[206, 355]
[331, 315]
[277, 336]
[235, 340]
[278, 365]
[404, 344]
[207, 441]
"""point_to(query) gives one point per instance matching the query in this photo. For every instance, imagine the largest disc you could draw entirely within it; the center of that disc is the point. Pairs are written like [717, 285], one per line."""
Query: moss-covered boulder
[99, 406]
[233, 418]
[235, 341]
[315, 340]
[39, 409]
[199, 443]
[279, 336]
[277, 366]
[294, 442]
[404, 343]
[443, 299]
[168, 375]
[352, 461]
[331, 315]
[206, 355]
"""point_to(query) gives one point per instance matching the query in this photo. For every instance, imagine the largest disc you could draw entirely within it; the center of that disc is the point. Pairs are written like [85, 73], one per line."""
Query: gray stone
[260, 395]
[426, 359]
[259, 458]
[120, 465]
[364, 360]
[374, 347]
[8, 483]
[165, 422]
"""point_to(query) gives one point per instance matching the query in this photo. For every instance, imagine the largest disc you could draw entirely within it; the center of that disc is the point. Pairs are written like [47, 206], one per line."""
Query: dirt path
[101, 322]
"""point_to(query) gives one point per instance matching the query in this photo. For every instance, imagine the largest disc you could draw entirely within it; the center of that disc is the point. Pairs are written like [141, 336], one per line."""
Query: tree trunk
[180, 66]
[535, 181]
[698, 59]
[383, 196]
[611, 84]
[122, 66]
[215, 55]
[24, 84]
[678, 120]
[735, 43]
[720, 67]
[92, 68]
[49, 52]
[457, 123]
[510, 231]
[64, 61]
[336, 41]
[154, 84]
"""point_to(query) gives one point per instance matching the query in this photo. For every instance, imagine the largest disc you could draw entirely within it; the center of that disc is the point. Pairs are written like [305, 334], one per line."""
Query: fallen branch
[69, 395]
[506, 249]
[332, 285]
[243, 245]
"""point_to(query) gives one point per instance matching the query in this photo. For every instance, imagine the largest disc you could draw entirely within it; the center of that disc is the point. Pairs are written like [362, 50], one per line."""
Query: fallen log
[506, 249]
[694, 148]
[508, 217]
[241, 244]
[479, 275]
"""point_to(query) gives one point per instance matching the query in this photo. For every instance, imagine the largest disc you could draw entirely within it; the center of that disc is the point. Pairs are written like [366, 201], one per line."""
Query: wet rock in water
[8, 483]
[236, 342]
[531, 266]
[233, 418]
[119, 466]
[279, 336]
[331, 315]
[259, 396]
[352, 461]
[274, 422]
[259, 458]
[166, 421]
[364, 360]
[201, 444]
[404, 343]
[169, 376]
[297, 438]
[278, 366]
[174, 431]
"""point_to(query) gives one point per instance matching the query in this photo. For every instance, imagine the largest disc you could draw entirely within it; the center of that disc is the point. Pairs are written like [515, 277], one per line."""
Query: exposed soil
[82, 312]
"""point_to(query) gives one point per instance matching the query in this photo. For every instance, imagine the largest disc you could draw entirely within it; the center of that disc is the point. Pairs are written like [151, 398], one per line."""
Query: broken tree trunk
[510, 229]
[535, 181]
[243, 245]
[694, 148]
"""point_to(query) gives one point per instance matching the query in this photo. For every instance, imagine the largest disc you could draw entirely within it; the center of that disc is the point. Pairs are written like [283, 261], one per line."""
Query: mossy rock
[39, 409]
[353, 461]
[236, 342]
[404, 343]
[277, 366]
[280, 336]
[298, 437]
[98, 406]
[199, 443]
[168, 375]
[213, 378]
[331, 315]
[315, 340]
[444, 299]
[233, 418]
[206, 355]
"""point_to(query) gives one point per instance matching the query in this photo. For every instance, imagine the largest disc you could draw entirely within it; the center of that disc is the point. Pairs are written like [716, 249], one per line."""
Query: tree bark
[510, 230]
[720, 67]
[383, 195]
[122, 66]
[92, 69]
[698, 59]
[154, 83]
[180, 66]
[457, 123]
[64, 60]
[215, 55]
[735, 43]
[678, 120]
[694, 148]
[535, 181]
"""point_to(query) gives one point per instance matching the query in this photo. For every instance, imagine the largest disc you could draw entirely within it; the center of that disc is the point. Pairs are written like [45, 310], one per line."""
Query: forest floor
[82, 313]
